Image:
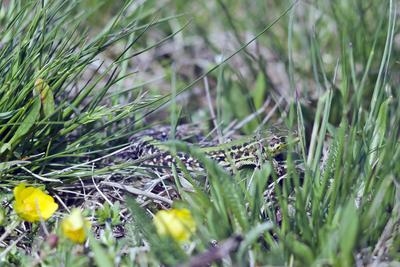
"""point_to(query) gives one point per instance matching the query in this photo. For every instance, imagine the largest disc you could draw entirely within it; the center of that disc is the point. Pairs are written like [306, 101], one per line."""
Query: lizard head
[276, 144]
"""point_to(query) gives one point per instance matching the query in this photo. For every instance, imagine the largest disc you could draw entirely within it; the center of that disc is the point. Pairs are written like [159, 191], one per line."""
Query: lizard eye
[276, 144]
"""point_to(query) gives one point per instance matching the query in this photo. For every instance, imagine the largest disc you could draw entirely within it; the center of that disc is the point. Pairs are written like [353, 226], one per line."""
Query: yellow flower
[74, 226]
[32, 204]
[177, 223]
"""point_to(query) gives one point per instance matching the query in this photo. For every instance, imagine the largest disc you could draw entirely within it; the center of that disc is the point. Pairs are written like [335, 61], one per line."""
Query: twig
[61, 201]
[39, 177]
[215, 253]
[101, 193]
[9, 230]
[136, 191]
[5, 252]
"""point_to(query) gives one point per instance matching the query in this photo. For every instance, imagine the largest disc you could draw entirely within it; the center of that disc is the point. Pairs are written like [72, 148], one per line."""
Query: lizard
[248, 151]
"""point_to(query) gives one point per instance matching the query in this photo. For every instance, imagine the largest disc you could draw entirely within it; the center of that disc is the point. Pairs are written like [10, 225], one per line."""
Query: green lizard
[233, 155]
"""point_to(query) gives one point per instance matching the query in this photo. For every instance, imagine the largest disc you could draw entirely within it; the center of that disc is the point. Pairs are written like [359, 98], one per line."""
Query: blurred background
[314, 47]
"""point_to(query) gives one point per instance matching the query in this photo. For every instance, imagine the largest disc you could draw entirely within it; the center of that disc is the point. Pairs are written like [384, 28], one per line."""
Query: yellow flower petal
[18, 189]
[74, 226]
[177, 223]
[32, 204]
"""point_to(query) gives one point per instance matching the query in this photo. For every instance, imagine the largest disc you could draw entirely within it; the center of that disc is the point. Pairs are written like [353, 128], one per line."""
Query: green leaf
[5, 147]
[259, 91]
[9, 164]
[348, 231]
[7, 115]
[300, 250]
[252, 237]
[100, 255]
[46, 96]
[224, 186]
[167, 251]
[141, 220]
[379, 131]
[27, 123]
